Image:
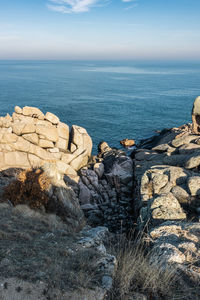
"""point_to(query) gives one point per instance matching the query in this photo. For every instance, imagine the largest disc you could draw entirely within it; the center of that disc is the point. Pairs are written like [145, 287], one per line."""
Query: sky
[99, 29]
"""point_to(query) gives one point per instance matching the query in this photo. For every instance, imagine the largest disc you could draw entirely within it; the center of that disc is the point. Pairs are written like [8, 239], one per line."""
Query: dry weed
[29, 188]
[36, 247]
[139, 271]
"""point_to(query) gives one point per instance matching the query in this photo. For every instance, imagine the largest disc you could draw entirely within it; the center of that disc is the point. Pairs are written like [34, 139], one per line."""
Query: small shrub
[29, 188]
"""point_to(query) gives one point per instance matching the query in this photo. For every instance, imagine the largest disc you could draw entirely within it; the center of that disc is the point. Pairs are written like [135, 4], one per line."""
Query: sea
[113, 100]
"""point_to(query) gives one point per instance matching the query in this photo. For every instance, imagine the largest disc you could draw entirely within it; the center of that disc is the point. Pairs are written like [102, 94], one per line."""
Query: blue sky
[99, 29]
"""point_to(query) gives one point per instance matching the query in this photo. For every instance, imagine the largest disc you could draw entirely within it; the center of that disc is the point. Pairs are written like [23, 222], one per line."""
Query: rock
[192, 161]
[159, 181]
[166, 207]
[32, 111]
[175, 160]
[189, 149]
[40, 152]
[194, 185]
[17, 159]
[80, 150]
[73, 147]
[26, 119]
[79, 162]
[180, 194]
[28, 132]
[127, 143]
[123, 169]
[50, 133]
[8, 119]
[99, 169]
[175, 242]
[6, 130]
[103, 147]
[161, 194]
[185, 139]
[84, 194]
[196, 116]
[31, 137]
[64, 168]
[95, 236]
[197, 141]
[9, 138]
[177, 175]
[77, 135]
[148, 155]
[71, 172]
[80, 137]
[164, 148]
[18, 110]
[54, 150]
[55, 155]
[63, 130]
[62, 144]
[87, 144]
[17, 128]
[106, 282]
[66, 205]
[164, 137]
[52, 118]
[28, 128]
[22, 145]
[52, 171]
[67, 157]
[45, 143]
[34, 160]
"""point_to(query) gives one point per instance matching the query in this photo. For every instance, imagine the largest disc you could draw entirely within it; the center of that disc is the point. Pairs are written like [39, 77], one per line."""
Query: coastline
[153, 192]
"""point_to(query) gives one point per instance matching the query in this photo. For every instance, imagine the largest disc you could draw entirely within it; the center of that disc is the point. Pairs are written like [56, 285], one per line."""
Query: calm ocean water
[112, 100]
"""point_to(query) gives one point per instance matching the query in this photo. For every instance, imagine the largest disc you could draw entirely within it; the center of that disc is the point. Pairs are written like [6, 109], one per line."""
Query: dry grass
[29, 188]
[39, 247]
[141, 272]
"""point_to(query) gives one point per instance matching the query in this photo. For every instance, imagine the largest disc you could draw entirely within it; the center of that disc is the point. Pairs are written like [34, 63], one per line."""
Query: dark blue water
[112, 100]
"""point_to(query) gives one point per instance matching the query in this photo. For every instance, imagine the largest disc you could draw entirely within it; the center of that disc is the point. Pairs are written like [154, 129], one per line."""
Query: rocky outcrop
[177, 244]
[29, 138]
[156, 191]
[105, 188]
[167, 177]
[167, 204]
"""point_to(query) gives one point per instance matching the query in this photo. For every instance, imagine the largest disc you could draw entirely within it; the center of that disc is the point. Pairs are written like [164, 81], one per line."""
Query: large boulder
[196, 116]
[29, 138]
[178, 243]
[81, 139]
[127, 143]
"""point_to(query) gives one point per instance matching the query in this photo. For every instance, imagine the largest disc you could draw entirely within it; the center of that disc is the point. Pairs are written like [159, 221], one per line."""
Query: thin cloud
[131, 6]
[73, 6]
[80, 6]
